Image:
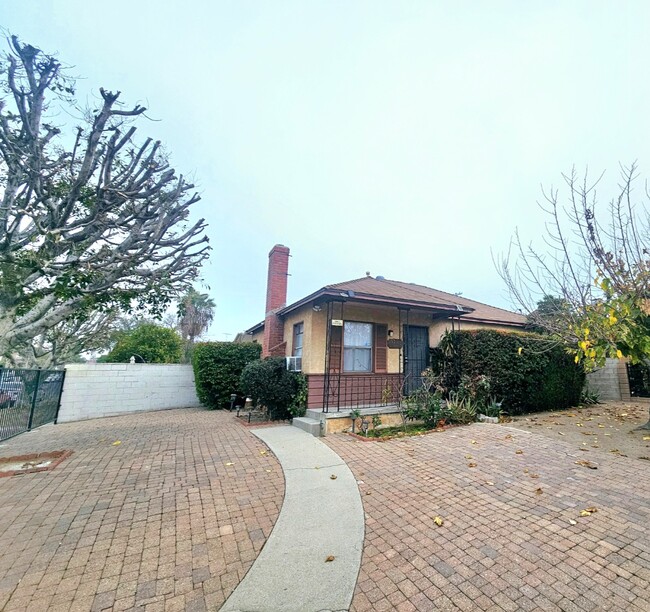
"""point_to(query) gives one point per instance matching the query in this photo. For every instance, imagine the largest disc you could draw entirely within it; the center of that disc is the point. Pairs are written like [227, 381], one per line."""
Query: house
[363, 342]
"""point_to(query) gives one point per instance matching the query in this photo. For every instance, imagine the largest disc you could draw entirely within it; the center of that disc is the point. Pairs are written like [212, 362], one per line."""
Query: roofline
[256, 327]
[329, 292]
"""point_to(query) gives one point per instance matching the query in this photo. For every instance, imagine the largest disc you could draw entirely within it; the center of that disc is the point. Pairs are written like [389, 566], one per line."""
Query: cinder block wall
[610, 381]
[109, 389]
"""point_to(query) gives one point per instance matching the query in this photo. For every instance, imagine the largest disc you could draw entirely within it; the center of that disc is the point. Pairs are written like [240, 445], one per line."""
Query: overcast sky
[407, 139]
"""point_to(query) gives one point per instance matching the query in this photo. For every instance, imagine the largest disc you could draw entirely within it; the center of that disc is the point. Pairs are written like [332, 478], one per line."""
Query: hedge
[269, 383]
[527, 373]
[217, 370]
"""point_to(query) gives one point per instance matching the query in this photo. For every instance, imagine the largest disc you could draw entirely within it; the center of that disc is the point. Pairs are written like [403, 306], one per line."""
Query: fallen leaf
[519, 452]
[572, 522]
[471, 465]
[438, 521]
[474, 442]
[588, 511]
[587, 464]
[614, 450]
[329, 559]
[646, 438]
[268, 470]
[525, 470]
[116, 443]
[230, 463]
[538, 490]
[263, 452]
[468, 456]
[560, 433]
[333, 477]
[534, 475]
[368, 492]
[601, 426]
[579, 425]
[489, 482]
[508, 437]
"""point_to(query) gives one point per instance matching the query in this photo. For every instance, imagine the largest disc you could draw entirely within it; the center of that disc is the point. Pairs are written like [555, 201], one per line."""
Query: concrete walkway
[311, 561]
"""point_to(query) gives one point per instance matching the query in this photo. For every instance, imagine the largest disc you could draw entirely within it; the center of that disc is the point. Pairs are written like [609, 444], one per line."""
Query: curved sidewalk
[321, 517]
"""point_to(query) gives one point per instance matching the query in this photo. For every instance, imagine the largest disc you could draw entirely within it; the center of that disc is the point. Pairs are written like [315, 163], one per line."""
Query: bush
[524, 370]
[217, 370]
[269, 383]
[149, 343]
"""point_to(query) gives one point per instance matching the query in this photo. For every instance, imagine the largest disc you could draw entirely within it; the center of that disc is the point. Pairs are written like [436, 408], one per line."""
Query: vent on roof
[380, 277]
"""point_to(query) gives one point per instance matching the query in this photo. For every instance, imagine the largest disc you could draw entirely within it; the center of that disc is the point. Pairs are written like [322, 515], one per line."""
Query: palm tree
[195, 313]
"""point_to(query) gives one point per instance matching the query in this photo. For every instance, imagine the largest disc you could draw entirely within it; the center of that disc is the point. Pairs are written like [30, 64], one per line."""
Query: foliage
[589, 397]
[217, 370]
[90, 221]
[376, 421]
[461, 410]
[269, 383]
[492, 408]
[424, 405]
[148, 343]
[528, 371]
[195, 313]
[591, 282]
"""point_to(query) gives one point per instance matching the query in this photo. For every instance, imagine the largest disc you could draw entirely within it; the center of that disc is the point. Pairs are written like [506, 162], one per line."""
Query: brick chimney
[273, 343]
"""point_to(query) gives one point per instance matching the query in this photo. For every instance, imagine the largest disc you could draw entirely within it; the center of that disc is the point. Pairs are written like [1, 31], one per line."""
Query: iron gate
[28, 399]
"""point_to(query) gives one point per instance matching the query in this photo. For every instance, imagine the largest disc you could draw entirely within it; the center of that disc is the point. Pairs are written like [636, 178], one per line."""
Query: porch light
[390, 333]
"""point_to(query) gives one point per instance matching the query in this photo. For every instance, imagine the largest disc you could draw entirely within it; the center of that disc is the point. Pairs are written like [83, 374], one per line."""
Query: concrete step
[311, 426]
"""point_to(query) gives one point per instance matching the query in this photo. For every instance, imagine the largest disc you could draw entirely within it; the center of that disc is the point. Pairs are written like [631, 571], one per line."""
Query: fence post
[58, 406]
[31, 411]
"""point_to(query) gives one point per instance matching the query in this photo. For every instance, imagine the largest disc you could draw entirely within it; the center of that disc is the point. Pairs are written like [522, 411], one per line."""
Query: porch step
[311, 426]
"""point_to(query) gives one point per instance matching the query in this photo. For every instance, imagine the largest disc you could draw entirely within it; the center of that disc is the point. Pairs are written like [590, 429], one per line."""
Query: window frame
[370, 349]
[296, 333]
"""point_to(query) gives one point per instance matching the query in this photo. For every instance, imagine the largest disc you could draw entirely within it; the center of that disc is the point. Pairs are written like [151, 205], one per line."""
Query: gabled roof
[397, 293]
[480, 312]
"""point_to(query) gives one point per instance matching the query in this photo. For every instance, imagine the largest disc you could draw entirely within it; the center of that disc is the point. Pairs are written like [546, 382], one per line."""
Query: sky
[406, 139]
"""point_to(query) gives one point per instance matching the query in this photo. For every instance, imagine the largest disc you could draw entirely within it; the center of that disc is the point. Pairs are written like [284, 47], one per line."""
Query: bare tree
[589, 284]
[99, 226]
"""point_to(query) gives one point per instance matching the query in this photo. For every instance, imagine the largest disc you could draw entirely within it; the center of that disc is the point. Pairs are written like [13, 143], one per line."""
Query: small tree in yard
[590, 289]
[88, 223]
[148, 343]
[269, 383]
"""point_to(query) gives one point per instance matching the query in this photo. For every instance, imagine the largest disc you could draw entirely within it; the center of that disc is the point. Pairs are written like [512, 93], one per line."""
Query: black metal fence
[28, 399]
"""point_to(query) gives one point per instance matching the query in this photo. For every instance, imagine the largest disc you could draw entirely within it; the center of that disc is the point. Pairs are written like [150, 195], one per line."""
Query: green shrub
[217, 370]
[269, 383]
[149, 343]
[524, 370]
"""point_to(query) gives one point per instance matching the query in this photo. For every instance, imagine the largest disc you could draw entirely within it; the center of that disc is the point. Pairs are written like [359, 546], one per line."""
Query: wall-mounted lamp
[390, 333]
[316, 308]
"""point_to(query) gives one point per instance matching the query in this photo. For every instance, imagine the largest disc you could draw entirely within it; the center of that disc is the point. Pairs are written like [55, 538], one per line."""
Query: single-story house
[363, 342]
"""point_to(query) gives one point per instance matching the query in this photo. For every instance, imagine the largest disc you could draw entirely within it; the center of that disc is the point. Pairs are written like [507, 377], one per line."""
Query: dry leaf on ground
[438, 521]
[329, 559]
[587, 464]
[519, 452]
[116, 442]
[588, 511]
[333, 477]
[538, 490]
[471, 465]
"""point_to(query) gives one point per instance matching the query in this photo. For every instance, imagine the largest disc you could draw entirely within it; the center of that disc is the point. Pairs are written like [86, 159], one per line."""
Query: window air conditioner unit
[294, 364]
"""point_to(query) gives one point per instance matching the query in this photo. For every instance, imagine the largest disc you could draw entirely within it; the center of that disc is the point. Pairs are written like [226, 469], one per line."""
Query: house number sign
[337, 322]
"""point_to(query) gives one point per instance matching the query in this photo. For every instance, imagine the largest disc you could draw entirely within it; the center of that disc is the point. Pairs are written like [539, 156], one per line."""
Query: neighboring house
[362, 342]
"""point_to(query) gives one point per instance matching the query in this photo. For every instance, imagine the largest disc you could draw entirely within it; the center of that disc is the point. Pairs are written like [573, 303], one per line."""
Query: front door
[416, 356]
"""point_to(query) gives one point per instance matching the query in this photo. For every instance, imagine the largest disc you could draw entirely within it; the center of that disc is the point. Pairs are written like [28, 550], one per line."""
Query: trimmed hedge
[526, 372]
[268, 382]
[217, 370]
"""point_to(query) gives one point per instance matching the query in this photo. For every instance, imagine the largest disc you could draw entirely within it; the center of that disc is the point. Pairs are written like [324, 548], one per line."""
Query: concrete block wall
[109, 389]
[610, 381]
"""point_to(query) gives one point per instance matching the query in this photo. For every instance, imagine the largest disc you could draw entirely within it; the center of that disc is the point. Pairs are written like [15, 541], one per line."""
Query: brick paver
[171, 518]
[508, 541]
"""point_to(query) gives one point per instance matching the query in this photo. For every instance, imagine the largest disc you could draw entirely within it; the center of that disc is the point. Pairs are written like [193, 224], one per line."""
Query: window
[298, 332]
[357, 347]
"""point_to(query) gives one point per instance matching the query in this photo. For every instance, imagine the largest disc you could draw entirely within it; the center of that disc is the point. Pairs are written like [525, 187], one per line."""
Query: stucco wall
[108, 389]
[438, 329]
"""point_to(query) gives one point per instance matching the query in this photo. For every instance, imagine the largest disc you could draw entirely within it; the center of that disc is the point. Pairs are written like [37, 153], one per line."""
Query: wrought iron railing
[28, 399]
[353, 391]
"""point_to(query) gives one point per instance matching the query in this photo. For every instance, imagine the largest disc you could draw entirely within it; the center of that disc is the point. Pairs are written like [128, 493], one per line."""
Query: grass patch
[411, 429]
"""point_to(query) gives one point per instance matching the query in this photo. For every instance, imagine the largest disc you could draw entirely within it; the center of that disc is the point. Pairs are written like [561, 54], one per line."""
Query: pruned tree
[595, 263]
[97, 225]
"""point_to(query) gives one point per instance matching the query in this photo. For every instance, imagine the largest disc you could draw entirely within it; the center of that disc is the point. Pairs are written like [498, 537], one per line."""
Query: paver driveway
[160, 521]
[513, 537]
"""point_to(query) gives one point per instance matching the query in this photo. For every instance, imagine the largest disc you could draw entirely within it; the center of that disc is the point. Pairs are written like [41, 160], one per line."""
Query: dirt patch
[36, 462]
[602, 428]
